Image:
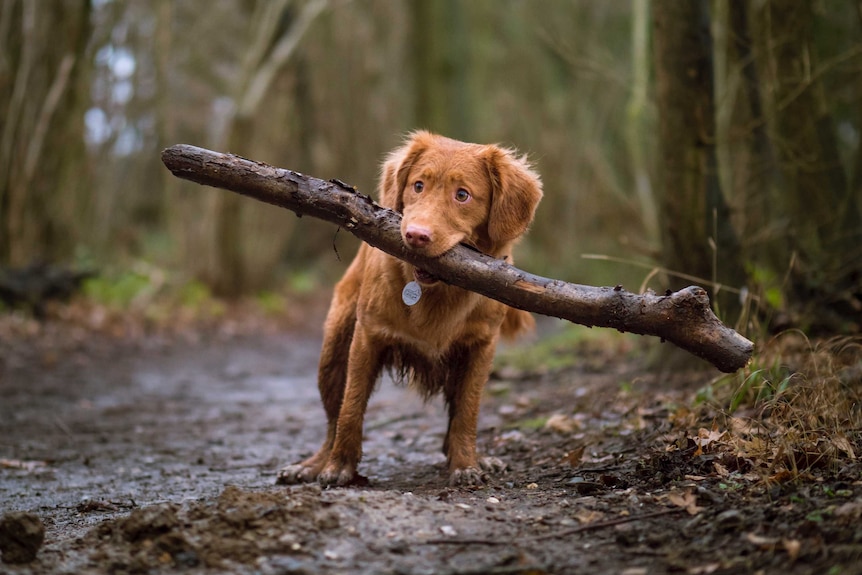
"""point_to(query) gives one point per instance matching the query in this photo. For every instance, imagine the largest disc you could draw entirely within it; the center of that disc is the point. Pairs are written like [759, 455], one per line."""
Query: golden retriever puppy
[440, 338]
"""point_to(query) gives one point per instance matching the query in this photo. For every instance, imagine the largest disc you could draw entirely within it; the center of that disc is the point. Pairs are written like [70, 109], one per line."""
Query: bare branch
[279, 56]
[683, 318]
[46, 114]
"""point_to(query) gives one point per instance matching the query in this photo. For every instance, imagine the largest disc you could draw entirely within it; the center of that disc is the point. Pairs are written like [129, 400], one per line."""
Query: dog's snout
[417, 236]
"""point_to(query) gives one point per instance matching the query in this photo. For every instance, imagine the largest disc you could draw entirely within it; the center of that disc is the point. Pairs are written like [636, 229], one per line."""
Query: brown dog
[449, 192]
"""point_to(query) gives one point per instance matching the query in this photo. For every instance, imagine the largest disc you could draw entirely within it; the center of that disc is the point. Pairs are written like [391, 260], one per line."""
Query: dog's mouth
[424, 277]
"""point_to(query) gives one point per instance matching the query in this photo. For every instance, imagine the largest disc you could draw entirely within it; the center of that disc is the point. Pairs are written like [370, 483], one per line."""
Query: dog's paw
[293, 474]
[492, 465]
[478, 475]
[341, 476]
[467, 477]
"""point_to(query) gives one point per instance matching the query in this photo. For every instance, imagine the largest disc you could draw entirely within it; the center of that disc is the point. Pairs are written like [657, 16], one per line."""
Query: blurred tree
[441, 42]
[43, 73]
[818, 247]
[747, 156]
[174, 194]
[557, 81]
[759, 126]
[274, 35]
[636, 122]
[697, 235]
[351, 99]
[138, 101]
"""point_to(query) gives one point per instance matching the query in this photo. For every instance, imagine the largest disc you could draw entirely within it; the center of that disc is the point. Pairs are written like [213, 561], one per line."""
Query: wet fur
[443, 344]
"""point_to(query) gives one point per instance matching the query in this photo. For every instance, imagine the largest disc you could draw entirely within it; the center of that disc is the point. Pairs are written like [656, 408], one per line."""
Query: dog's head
[451, 192]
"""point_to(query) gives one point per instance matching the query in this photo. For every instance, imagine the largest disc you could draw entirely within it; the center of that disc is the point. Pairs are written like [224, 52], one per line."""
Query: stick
[683, 318]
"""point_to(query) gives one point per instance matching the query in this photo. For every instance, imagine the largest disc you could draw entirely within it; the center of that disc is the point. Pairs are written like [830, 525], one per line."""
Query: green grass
[574, 345]
[119, 289]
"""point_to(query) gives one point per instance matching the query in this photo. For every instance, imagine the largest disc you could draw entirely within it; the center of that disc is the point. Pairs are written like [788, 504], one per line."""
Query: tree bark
[697, 232]
[41, 126]
[683, 318]
[820, 225]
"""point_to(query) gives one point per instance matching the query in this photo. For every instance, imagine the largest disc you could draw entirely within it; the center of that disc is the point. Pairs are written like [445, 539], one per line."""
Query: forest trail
[160, 455]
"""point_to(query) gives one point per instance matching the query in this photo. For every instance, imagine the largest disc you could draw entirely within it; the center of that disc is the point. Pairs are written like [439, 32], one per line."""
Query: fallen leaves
[791, 546]
[562, 424]
[686, 500]
[842, 443]
[587, 516]
[705, 438]
[573, 458]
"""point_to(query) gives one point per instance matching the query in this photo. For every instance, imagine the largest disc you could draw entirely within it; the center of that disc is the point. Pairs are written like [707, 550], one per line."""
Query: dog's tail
[517, 322]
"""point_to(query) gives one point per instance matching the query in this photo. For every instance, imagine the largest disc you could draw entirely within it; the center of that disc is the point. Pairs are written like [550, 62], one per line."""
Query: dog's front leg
[363, 368]
[469, 369]
[331, 380]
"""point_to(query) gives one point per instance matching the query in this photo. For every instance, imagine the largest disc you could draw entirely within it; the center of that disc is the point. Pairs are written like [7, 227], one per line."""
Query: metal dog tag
[411, 293]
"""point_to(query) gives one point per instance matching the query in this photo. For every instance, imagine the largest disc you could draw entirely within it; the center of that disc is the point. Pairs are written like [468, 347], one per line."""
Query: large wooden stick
[683, 318]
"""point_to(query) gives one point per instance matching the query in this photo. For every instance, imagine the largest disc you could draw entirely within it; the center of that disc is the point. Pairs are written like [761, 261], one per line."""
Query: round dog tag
[411, 293]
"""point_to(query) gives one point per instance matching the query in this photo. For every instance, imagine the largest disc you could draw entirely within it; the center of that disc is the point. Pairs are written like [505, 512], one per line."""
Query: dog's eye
[462, 195]
[418, 187]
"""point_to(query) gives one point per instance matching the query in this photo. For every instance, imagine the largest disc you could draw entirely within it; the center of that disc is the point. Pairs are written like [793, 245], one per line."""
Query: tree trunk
[41, 126]
[636, 124]
[177, 205]
[271, 49]
[817, 209]
[856, 182]
[441, 72]
[757, 158]
[697, 235]
[683, 318]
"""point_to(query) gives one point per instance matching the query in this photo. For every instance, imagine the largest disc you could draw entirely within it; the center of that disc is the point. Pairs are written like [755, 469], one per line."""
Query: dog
[449, 193]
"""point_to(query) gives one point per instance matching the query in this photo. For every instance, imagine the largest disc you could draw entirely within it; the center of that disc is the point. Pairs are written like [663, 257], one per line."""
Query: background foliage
[718, 139]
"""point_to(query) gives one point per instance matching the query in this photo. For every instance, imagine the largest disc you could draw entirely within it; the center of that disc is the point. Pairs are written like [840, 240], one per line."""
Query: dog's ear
[515, 192]
[396, 169]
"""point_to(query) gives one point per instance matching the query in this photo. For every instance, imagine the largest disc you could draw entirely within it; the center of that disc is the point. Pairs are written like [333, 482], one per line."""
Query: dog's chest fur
[429, 344]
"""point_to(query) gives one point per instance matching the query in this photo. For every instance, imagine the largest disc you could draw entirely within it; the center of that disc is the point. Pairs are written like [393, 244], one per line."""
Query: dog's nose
[417, 236]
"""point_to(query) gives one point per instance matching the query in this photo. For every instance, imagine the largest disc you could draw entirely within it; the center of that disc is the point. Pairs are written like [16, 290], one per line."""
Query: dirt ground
[157, 454]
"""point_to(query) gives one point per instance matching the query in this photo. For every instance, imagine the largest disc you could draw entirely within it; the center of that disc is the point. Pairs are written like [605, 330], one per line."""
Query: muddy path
[159, 455]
